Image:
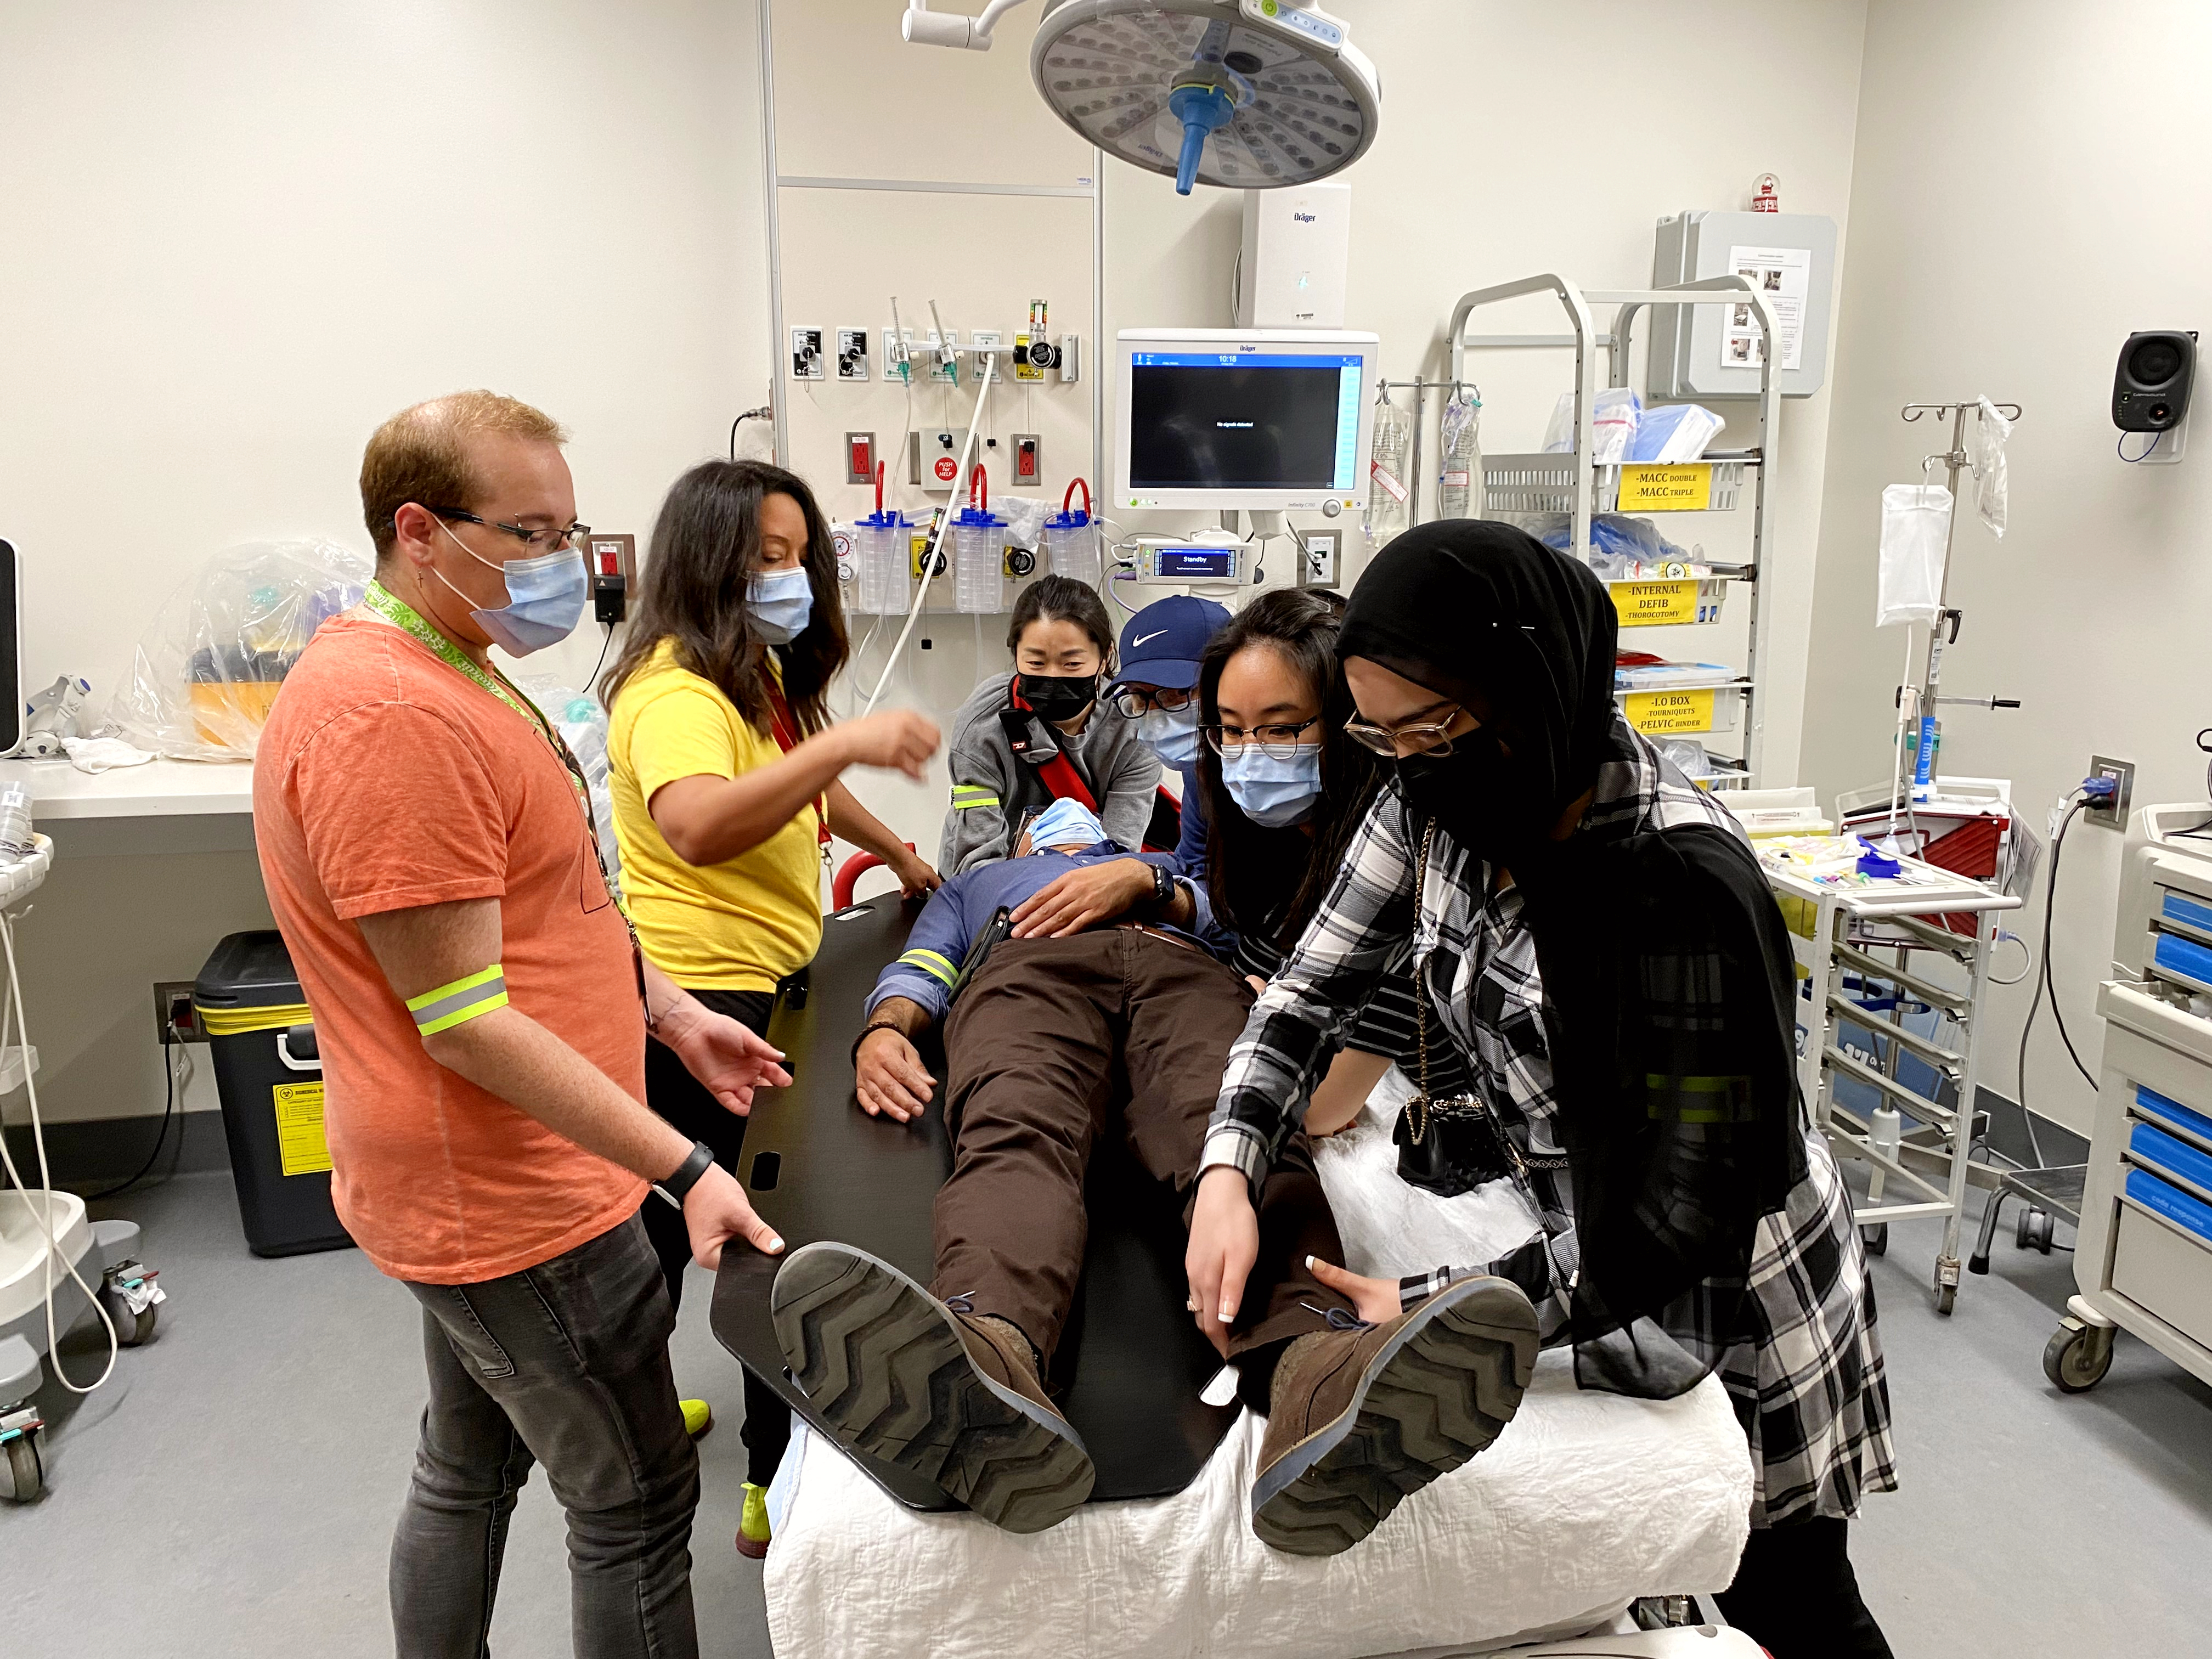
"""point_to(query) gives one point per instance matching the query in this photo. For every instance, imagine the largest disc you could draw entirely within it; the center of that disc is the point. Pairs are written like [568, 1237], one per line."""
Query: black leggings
[1796, 1595]
[678, 1096]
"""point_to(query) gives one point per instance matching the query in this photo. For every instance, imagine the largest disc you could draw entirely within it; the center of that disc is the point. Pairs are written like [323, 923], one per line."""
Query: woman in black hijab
[1595, 942]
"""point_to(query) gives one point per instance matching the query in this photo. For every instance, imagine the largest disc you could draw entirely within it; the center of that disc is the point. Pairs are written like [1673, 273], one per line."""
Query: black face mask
[1058, 697]
[1478, 797]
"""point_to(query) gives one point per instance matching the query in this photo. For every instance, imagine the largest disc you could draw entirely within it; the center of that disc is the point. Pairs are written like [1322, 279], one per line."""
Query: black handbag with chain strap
[1453, 1145]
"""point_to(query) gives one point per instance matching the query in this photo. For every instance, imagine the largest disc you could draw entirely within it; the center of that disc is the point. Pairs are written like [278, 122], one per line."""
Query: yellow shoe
[752, 1523]
[698, 1417]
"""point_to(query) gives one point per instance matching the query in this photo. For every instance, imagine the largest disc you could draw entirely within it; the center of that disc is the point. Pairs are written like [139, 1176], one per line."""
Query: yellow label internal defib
[1655, 712]
[300, 1142]
[1644, 605]
[1686, 487]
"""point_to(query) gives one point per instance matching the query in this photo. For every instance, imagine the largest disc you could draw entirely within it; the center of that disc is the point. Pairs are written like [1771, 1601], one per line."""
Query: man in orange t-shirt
[481, 1010]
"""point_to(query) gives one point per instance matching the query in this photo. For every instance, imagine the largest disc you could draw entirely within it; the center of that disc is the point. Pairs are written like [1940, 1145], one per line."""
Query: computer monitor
[1272, 419]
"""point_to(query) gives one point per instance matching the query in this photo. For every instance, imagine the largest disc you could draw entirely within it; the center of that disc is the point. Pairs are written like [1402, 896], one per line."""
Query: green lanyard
[401, 616]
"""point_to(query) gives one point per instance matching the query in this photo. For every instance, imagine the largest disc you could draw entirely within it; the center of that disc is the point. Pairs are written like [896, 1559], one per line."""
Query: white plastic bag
[1613, 418]
[1387, 475]
[1674, 433]
[1915, 520]
[205, 675]
[583, 723]
[1990, 431]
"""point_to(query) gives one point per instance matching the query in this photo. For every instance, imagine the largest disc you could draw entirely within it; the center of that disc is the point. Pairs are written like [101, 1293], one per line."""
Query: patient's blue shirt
[963, 906]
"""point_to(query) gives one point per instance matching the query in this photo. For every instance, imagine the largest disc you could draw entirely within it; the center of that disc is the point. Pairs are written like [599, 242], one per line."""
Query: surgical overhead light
[1247, 94]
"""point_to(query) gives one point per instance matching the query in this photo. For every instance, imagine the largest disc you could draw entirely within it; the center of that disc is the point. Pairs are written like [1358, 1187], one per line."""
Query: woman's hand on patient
[1083, 898]
[1224, 1243]
[1377, 1301]
[889, 1079]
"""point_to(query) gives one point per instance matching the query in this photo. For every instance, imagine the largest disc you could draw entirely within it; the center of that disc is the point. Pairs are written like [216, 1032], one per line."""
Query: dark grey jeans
[566, 1365]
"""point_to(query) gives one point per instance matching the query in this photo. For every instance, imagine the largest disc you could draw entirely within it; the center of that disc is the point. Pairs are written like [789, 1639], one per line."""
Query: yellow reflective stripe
[932, 963]
[1736, 1108]
[236, 1022]
[447, 1006]
[965, 796]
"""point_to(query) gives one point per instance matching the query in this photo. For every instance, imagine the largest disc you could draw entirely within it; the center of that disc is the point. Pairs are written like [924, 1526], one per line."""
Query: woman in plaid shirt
[1595, 942]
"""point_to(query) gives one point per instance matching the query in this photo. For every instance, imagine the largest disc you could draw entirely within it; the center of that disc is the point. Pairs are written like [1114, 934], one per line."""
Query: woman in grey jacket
[1024, 739]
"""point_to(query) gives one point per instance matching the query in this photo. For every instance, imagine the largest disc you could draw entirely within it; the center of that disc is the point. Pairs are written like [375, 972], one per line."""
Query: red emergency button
[947, 469]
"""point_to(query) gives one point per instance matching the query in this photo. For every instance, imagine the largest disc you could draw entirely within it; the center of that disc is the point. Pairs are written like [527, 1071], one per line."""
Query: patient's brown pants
[1047, 1039]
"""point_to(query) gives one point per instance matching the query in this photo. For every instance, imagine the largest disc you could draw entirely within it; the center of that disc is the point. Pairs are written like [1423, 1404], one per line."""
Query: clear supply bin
[882, 542]
[269, 1074]
[979, 562]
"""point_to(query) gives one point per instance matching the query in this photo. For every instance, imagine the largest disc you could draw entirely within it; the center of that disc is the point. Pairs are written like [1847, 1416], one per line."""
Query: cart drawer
[2161, 1268]
[2172, 1115]
[2170, 1155]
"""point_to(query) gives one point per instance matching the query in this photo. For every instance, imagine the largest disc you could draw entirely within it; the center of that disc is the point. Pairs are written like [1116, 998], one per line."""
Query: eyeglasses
[1425, 738]
[1275, 742]
[538, 541]
[1134, 704]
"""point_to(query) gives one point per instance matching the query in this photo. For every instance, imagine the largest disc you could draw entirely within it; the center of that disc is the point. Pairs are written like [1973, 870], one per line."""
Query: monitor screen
[1211, 420]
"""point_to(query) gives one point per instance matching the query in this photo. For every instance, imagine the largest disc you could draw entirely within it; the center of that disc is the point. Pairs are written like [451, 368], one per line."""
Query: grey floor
[232, 1493]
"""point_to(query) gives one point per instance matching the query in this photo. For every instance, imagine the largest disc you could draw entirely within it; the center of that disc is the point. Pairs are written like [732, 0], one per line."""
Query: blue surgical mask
[1170, 733]
[1273, 794]
[544, 598]
[1065, 823]
[782, 603]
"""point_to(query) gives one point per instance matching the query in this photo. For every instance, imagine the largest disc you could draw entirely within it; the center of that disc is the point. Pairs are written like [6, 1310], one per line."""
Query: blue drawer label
[2176, 1206]
[2177, 1156]
[2193, 913]
[2172, 1111]
[2183, 955]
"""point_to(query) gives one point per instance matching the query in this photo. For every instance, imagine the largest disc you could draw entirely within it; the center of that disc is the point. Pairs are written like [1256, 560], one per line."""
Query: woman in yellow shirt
[726, 783]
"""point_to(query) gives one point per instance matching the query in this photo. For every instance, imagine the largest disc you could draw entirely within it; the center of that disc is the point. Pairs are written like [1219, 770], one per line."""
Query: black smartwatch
[678, 1186]
[1163, 887]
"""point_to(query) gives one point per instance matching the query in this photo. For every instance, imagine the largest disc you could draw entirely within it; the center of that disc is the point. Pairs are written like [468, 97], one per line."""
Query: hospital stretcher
[1586, 1503]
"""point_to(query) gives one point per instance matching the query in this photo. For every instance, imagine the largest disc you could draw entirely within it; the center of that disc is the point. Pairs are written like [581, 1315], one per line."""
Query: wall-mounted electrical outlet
[2112, 814]
[1324, 551]
[1029, 458]
[175, 1019]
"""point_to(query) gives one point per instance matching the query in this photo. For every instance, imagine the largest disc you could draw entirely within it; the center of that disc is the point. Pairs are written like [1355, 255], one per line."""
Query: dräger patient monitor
[1270, 419]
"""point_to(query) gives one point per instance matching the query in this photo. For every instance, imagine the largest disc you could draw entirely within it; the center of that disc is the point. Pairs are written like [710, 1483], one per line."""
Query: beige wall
[2009, 227]
[244, 232]
[239, 234]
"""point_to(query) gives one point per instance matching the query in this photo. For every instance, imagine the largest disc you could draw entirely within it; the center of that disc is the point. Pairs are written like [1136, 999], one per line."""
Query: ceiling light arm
[943, 28]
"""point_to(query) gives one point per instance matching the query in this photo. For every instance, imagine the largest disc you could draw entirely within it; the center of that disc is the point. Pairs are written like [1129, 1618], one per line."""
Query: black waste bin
[270, 1076]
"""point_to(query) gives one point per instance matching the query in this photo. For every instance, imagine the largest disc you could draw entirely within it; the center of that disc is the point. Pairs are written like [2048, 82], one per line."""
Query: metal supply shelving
[1579, 487]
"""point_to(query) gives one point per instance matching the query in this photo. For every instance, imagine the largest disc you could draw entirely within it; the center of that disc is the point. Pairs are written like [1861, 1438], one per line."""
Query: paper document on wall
[1784, 277]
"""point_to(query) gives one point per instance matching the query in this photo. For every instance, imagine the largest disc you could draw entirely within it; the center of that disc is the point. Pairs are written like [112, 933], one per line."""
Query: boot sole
[1443, 1388]
[884, 1363]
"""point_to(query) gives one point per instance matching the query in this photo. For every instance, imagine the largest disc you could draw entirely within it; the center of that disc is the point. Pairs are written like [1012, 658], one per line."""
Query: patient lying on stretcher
[1123, 1026]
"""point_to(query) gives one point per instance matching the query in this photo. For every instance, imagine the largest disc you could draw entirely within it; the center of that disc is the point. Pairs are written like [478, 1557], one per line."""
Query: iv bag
[1916, 523]
[1387, 472]
[1459, 476]
[1614, 419]
[1990, 431]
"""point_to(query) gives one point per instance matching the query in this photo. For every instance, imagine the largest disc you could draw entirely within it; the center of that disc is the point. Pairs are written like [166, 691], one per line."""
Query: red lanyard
[1058, 773]
[785, 730]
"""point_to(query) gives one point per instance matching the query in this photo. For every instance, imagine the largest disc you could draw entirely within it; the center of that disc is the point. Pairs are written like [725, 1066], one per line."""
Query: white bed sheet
[1585, 1502]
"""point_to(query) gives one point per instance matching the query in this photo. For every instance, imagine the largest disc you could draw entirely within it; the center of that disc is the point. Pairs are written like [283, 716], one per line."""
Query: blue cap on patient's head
[1161, 643]
[1065, 823]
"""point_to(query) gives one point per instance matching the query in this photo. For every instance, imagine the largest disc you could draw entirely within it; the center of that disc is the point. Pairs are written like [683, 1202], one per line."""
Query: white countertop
[161, 788]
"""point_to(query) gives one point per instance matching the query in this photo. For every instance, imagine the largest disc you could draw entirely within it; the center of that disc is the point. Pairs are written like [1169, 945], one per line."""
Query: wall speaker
[2150, 391]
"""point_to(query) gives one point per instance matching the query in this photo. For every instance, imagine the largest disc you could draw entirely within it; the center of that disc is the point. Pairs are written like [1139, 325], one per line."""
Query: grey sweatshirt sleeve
[975, 819]
[1132, 778]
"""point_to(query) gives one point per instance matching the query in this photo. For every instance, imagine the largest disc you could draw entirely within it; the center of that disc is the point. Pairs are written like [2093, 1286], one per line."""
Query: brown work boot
[1365, 1414]
[952, 1396]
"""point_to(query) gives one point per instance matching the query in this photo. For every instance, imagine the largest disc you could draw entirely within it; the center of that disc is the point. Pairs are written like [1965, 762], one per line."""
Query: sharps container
[270, 1076]
[1071, 539]
[979, 567]
[886, 586]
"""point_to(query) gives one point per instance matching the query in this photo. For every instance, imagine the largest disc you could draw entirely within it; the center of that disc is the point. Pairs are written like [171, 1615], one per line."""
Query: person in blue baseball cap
[1161, 647]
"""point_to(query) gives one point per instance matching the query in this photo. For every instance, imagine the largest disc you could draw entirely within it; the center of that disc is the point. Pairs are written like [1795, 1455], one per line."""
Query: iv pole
[1955, 461]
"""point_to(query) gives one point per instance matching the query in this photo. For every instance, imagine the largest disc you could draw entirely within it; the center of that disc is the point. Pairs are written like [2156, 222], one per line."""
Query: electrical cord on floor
[2086, 796]
[168, 1110]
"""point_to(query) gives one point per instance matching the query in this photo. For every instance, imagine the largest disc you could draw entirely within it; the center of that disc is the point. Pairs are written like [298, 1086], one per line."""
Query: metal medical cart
[2143, 1260]
[1891, 932]
[1578, 486]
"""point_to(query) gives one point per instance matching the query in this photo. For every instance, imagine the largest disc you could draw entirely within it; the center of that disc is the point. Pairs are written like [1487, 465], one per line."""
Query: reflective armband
[967, 796]
[930, 962]
[464, 999]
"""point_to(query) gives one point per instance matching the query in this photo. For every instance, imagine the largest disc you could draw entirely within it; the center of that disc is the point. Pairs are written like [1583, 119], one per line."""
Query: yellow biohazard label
[1644, 605]
[300, 1142]
[1685, 488]
[1655, 712]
